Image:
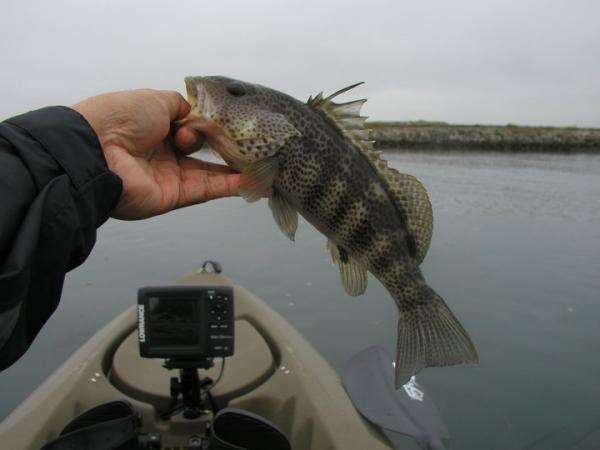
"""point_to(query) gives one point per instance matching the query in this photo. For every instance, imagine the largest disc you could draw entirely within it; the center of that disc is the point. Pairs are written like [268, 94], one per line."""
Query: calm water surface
[515, 253]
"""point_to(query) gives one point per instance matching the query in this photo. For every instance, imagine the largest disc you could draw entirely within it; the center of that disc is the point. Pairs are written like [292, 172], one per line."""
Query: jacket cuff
[70, 140]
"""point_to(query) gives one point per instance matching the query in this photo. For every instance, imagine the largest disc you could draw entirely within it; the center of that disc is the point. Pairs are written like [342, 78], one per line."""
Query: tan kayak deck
[274, 372]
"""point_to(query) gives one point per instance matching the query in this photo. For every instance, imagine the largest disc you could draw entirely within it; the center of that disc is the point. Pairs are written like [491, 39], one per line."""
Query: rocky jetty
[509, 138]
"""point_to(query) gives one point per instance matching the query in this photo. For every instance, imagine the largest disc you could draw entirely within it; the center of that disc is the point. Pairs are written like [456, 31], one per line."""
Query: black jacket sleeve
[55, 190]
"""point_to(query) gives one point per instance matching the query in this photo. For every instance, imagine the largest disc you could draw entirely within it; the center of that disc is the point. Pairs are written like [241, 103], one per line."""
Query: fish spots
[327, 169]
[336, 216]
[376, 191]
[381, 262]
[330, 179]
[381, 243]
[352, 217]
[361, 236]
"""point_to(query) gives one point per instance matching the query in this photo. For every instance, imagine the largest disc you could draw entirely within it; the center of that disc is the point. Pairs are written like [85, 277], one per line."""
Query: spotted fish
[318, 160]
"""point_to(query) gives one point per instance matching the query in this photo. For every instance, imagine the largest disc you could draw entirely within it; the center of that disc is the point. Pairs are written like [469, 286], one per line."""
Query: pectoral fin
[354, 276]
[257, 178]
[284, 214]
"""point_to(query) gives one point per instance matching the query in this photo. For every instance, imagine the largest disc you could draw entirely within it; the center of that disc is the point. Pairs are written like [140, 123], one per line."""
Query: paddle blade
[369, 380]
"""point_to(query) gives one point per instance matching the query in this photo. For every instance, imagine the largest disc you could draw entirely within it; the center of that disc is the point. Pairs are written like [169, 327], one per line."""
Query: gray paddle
[369, 380]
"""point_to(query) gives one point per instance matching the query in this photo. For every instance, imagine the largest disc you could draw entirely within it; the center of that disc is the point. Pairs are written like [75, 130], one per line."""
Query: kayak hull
[274, 372]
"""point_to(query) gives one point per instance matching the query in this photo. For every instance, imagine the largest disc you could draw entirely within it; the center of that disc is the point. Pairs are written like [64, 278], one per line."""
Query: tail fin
[430, 335]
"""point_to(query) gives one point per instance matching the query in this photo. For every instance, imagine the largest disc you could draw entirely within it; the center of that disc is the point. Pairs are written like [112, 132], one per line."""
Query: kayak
[274, 373]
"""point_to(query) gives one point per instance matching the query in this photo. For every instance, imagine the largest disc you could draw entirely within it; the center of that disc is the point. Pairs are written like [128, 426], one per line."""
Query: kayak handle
[216, 266]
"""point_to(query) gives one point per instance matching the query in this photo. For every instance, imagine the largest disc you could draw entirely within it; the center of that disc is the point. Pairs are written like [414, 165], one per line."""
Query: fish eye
[236, 89]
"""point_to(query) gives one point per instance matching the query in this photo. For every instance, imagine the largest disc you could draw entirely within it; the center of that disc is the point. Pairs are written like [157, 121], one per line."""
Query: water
[515, 253]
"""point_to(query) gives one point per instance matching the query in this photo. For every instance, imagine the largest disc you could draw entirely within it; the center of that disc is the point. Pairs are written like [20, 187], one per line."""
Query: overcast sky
[473, 61]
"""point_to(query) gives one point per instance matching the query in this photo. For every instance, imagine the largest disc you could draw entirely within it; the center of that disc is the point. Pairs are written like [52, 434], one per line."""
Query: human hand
[133, 129]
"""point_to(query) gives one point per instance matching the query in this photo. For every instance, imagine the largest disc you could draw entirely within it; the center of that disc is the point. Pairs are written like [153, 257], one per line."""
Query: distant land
[421, 135]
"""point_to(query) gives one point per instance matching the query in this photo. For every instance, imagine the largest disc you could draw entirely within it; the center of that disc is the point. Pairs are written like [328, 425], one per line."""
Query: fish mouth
[202, 119]
[196, 95]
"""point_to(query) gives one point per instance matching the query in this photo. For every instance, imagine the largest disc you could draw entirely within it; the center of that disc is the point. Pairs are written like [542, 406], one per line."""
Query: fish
[317, 160]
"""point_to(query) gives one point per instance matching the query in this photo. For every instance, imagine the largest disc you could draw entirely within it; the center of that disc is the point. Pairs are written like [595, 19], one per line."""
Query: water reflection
[514, 253]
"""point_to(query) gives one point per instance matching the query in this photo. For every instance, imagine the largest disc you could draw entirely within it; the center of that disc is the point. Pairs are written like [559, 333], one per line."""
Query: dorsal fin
[318, 100]
[407, 193]
[411, 196]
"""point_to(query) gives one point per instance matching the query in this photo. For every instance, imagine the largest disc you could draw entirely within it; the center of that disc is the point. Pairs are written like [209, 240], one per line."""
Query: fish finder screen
[185, 322]
[173, 321]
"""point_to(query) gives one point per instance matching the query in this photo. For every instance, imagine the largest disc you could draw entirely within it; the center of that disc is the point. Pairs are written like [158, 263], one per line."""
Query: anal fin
[354, 276]
[284, 213]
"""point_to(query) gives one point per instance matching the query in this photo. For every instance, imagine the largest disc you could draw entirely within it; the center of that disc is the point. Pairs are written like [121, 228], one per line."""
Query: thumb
[177, 106]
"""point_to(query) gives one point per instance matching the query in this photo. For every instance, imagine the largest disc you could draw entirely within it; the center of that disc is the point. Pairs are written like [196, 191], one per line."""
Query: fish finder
[187, 326]
[185, 322]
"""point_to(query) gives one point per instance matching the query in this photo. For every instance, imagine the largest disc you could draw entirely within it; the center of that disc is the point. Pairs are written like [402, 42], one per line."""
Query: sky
[473, 61]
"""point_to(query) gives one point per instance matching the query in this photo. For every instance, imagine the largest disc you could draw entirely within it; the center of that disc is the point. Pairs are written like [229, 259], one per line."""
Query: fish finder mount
[195, 392]
[187, 326]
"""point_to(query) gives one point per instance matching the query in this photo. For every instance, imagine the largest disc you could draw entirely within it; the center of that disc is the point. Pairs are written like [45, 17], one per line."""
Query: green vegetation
[441, 135]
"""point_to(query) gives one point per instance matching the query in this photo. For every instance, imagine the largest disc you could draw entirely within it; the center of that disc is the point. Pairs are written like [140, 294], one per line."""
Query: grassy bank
[510, 138]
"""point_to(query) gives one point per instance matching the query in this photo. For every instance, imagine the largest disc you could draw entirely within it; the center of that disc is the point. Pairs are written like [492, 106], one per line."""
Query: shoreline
[507, 138]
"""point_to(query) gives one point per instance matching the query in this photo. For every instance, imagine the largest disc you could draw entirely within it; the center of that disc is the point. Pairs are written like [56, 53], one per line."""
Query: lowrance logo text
[141, 324]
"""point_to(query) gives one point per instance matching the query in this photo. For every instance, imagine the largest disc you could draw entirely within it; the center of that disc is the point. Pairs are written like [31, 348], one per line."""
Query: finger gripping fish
[319, 161]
